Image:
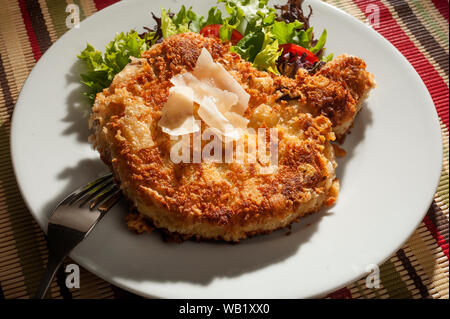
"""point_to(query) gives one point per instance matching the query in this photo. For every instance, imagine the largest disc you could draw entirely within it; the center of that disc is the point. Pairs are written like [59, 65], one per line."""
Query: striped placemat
[418, 28]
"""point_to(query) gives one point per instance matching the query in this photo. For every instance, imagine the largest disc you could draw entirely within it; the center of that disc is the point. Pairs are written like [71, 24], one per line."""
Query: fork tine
[92, 193]
[110, 202]
[78, 193]
[105, 194]
[67, 200]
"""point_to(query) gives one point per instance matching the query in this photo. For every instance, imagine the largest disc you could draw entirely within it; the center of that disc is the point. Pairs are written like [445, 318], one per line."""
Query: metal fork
[73, 219]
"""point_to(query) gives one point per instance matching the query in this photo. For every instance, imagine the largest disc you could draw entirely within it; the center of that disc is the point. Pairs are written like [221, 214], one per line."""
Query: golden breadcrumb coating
[227, 201]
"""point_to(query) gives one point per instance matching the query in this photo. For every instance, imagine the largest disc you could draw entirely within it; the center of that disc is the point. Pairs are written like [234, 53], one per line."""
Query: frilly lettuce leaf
[250, 9]
[101, 68]
[247, 15]
[168, 27]
[288, 32]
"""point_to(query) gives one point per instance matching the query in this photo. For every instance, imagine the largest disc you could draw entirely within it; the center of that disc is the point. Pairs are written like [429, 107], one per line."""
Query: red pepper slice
[212, 31]
[298, 50]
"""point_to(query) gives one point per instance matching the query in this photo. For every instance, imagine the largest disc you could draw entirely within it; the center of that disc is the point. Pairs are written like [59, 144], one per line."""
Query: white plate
[388, 177]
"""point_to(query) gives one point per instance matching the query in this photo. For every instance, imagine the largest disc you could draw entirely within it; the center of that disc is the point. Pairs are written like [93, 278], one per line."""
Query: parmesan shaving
[224, 100]
[221, 99]
[177, 116]
[215, 74]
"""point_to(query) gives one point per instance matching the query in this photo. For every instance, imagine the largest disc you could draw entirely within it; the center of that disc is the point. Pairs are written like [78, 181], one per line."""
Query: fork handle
[54, 262]
[57, 253]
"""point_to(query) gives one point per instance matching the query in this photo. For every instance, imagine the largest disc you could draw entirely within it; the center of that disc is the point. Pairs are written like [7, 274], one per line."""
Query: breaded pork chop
[228, 201]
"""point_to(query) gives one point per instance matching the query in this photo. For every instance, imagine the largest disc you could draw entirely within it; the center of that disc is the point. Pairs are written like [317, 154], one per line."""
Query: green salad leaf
[267, 58]
[214, 16]
[101, 68]
[247, 16]
[250, 45]
[320, 43]
[187, 20]
[288, 32]
[232, 22]
[328, 58]
[168, 26]
[253, 19]
[252, 10]
[196, 22]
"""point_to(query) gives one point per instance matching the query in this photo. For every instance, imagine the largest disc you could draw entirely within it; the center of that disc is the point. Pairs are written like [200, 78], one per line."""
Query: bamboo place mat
[418, 28]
